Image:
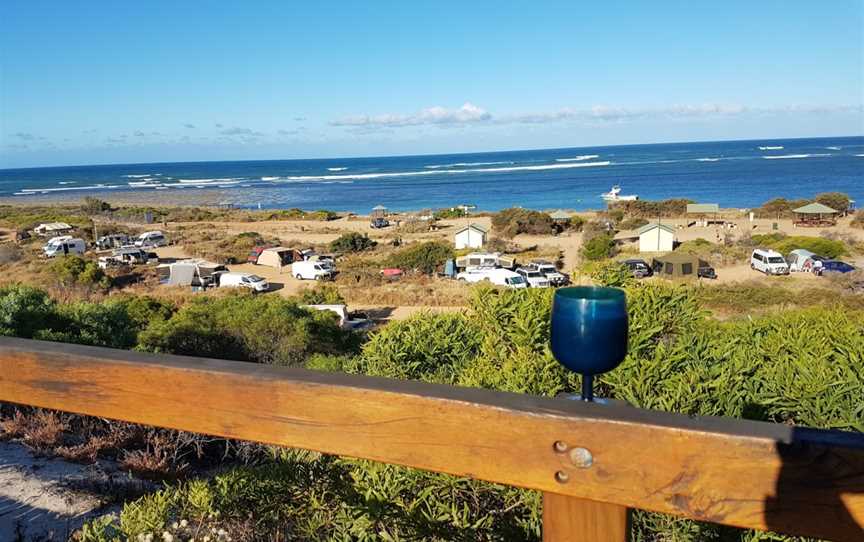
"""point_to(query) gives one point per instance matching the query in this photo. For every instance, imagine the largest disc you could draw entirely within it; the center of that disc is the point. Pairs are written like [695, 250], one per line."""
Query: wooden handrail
[734, 472]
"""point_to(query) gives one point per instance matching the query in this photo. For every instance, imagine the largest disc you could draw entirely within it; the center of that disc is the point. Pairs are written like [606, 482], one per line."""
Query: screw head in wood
[581, 457]
[562, 477]
[560, 446]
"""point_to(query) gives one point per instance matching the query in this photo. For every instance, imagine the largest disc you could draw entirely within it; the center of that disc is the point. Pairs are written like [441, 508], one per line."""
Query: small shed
[471, 236]
[677, 265]
[815, 214]
[656, 238]
[379, 211]
[52, 229]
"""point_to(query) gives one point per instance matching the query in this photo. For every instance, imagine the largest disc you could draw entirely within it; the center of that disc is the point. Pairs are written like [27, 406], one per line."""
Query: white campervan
[311, 270]
[151, 239]
[64, 245]
[769, 262]
[499, 277]
[243, 280]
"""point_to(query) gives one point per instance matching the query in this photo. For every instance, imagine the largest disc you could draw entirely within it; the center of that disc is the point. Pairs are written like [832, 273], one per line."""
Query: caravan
[63, 246]
[151, 239]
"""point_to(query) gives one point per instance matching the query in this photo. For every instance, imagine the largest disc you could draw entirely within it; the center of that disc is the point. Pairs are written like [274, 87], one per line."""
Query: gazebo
[379, 211]
[560, 216]
[815, 215]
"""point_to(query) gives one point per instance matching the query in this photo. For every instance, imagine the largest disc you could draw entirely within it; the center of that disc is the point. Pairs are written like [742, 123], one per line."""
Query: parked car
[534, 278]
[639, 268]
[548, 270]
[64, 245]
[769, 262]
[151, 239]
[309, 270]
[242, 280]
[379, 223]
[115, 240]
[499, 277]
[833, 266]
[131, 255]
[706, 272]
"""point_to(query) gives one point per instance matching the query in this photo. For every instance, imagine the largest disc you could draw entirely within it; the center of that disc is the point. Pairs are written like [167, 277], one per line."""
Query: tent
[276, 257]
[52, 228]
[677, 265]
[815, 214]
[560, 216]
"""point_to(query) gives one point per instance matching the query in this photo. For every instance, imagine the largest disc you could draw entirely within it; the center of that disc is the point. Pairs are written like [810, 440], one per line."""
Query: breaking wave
[579, 158]
[336, 168]
[771, 148]
[465, 164]
[787, 156]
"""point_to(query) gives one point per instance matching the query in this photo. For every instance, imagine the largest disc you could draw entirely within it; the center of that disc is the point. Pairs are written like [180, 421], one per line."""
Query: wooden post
[569, 519]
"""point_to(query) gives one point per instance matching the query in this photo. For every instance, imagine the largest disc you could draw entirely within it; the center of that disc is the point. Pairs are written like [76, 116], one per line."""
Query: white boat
[615, 195]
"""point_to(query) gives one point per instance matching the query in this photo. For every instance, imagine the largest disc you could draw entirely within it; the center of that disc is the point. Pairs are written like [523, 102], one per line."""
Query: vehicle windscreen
[515, 280]
[255, 278]
[776, 259]
[533, 274]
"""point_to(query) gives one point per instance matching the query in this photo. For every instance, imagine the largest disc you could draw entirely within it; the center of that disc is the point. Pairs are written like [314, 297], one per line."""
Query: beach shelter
[471, 236]
[815, 214]
[560, 216]
[276, 257]
[52, 229]
[379, 211]
[656, 238]
[677, 265]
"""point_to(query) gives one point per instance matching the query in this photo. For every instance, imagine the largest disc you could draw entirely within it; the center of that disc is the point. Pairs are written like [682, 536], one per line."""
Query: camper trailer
[63, 246]
[199, 274]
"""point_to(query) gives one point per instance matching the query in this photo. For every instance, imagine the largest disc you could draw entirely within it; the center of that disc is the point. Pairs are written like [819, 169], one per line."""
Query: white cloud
[437, 115]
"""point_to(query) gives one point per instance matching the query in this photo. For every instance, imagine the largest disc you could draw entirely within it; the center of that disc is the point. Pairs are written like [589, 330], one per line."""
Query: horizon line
[409, 155]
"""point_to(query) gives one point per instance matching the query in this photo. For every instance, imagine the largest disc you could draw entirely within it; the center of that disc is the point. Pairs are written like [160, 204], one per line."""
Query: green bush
[652, 209]
[453, 212]
[785, 244]
[836, 200]
[632, 223]
[322, 294]
[352, 242]
[75, 270]
[25, 310]
[598, 248]
[423, 257]
[511, 222]
[263, 329]
[611, 273]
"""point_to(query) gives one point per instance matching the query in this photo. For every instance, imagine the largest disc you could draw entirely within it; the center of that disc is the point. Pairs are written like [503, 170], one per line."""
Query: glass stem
[588, 388]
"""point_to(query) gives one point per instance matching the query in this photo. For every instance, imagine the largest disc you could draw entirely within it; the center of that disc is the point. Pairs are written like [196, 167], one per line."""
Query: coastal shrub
[576, 223]
[263, 329]
[453, 212]
[424, 257]
[766, 368]
[652, 209]
[858, 220]
[836, 200]
[611, 273]
[322, 294]
[76, 271]
[784, 244]
[24, 310]
[94, 206]
[299, 214]
[632, 223]
[25, 218]
[511, 222]
[231, 249]
[352, 242]
[598, 247]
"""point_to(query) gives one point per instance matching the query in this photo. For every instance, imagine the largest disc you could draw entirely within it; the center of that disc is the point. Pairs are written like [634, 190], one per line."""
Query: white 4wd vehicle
[498, 277]
[534, 278]
[769, 262]
[548, 270]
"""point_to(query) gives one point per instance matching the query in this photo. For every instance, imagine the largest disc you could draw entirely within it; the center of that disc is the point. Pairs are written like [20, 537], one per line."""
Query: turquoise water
[731, 173]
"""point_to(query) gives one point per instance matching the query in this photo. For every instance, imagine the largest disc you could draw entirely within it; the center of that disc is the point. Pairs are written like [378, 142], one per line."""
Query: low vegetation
[352, 242]
[679, 360]
[651, 209]
[511, 222]
[426, 257]
[784, 244]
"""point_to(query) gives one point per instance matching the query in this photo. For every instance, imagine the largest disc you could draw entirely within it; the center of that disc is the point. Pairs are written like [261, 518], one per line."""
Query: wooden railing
[592, 462]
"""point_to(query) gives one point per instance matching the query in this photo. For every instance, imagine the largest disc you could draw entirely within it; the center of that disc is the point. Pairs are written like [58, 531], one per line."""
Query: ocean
[731, 173]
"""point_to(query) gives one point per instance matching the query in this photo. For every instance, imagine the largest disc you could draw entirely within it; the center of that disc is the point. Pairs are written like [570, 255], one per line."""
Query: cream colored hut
[471, 236]
[656, 238]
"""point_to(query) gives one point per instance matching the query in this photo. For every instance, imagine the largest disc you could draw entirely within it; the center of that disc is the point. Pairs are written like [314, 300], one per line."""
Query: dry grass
[41, 429]
[407, 291]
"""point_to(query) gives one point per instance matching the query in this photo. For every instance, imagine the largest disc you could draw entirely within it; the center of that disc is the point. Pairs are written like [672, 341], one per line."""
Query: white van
[311, 270]
[64, 245]
[151, 239]
[499, 277]
[769, 262]
[243, 280]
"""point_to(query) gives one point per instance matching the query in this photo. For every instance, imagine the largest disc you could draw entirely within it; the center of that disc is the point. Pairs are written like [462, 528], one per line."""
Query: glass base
[595, 399]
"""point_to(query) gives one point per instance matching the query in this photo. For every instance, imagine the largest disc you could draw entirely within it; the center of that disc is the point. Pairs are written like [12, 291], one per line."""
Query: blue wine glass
[589, 331]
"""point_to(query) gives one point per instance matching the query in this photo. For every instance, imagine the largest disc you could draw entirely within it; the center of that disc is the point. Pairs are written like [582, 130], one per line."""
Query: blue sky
[104, 82]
